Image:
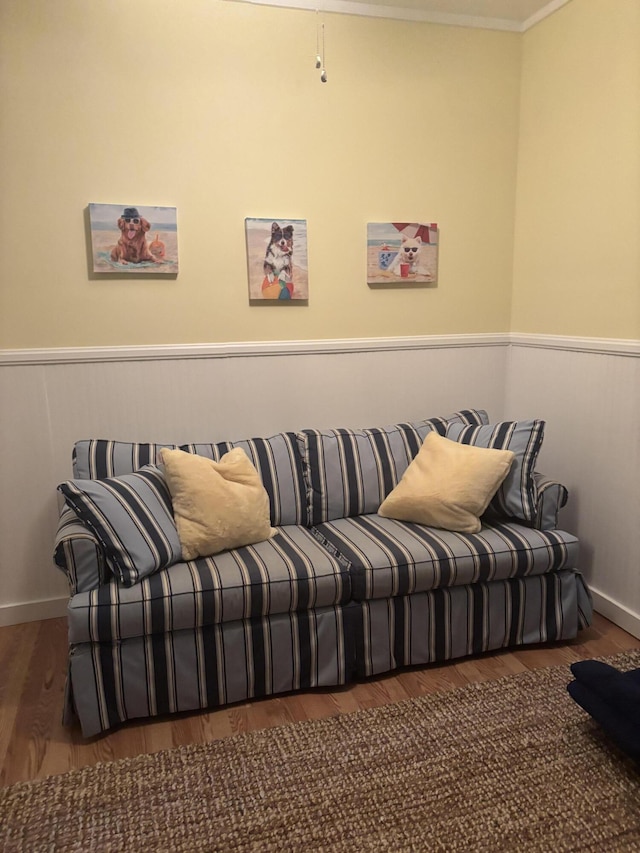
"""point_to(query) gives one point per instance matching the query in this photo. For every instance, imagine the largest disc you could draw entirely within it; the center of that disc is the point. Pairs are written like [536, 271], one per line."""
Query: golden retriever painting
[121, 242]
[132, 246]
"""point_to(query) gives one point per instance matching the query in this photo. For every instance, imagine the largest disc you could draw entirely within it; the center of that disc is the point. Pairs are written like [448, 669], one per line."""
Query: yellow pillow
[448, 485]
[216, 505]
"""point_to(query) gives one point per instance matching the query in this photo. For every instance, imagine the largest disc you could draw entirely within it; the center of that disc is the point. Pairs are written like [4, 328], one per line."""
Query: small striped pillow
[517, 497]
[132, 518]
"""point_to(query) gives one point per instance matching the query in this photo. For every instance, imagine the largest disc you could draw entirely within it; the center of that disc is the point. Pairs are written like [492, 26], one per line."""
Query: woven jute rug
[510, 765]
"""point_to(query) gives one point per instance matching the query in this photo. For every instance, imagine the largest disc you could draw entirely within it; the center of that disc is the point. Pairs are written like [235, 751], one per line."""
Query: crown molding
[547, 10]
[411, 13]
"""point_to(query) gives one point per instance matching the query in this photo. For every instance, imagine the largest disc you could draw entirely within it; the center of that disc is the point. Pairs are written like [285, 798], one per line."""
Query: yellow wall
[216, 108]
[577, 263]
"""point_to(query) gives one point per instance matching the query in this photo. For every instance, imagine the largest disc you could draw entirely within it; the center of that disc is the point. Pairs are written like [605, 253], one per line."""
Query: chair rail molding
[170, 352]
[602, 346]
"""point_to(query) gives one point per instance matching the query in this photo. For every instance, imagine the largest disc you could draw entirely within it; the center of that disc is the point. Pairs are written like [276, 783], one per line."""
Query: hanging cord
[323, 73]
[320, 55]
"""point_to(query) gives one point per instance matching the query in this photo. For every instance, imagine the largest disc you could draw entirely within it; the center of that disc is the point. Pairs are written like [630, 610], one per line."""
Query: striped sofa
[339, 593]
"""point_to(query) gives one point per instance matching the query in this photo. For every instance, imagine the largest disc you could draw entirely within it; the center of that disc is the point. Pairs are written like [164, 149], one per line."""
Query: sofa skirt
[455, 622]
[211, 666]
[231, 662]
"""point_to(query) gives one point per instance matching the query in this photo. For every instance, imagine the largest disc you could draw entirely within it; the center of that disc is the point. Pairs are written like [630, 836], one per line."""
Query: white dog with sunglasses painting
[409, 253]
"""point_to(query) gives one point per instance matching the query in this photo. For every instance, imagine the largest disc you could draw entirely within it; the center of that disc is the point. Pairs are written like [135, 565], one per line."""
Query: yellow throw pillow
[216, 505]
[448, 485]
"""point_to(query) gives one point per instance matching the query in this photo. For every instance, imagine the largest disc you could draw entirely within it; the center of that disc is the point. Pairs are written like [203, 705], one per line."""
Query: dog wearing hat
[132, 246]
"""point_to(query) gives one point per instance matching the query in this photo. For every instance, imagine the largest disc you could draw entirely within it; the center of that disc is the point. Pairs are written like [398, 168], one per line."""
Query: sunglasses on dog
[409, 249]
[134, 219]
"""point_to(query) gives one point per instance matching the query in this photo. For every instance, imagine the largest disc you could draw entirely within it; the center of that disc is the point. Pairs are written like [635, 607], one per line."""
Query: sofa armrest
[552, 496]
[78, 553]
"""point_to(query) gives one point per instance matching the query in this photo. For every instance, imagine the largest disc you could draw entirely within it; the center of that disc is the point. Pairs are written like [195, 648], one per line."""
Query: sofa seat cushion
[390, 558]
[290, 572]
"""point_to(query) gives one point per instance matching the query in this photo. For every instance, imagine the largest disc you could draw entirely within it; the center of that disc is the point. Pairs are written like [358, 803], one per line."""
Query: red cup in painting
[404, 270]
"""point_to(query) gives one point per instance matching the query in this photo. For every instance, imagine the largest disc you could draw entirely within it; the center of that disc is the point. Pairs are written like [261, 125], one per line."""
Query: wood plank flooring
[34, 743]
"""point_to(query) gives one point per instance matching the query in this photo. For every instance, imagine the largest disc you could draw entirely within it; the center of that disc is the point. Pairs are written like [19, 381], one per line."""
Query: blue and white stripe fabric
[132, 518]
[350, 472]
[78, 553]
[97, 458]
[551, 497]
[339, 592]
[196, 668]
[453, 622]
[290, 572]
[517, 496]
[392, 558]
[276, 459]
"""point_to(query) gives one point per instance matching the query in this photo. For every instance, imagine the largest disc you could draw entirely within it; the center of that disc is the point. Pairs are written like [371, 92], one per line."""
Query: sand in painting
[104, 241]
[428, 265]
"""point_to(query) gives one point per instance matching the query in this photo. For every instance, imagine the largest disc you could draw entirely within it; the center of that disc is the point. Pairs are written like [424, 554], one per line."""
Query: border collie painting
[277, 259]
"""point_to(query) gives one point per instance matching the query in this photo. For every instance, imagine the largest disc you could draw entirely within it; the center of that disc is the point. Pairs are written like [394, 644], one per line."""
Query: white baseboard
[616, 612]
[33, 611]
[452, 371]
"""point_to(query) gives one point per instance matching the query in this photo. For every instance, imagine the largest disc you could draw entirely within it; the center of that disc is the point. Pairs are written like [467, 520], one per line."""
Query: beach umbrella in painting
[427, 233]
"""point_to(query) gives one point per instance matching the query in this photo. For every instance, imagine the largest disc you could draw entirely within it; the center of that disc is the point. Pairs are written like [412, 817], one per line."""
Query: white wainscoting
[588, 391]
[51, 398]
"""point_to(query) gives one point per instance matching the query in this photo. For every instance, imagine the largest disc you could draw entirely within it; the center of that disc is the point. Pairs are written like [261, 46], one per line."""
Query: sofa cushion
[390, 558]
[448, 485]
[290, 572]
[517, 496]
[216, 505]
[97, 458]
[131, 516]
[276, 459]
[350, 472]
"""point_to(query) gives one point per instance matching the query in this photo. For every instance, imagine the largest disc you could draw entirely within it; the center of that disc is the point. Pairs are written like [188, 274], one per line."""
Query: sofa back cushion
[96, 458]
[349, 472]
[276, 458]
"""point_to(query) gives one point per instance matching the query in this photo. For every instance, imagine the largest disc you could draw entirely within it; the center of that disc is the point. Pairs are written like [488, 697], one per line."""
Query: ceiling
[515, 15]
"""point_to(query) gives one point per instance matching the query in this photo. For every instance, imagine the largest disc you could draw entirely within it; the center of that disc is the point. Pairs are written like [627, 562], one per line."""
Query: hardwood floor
[34, 744]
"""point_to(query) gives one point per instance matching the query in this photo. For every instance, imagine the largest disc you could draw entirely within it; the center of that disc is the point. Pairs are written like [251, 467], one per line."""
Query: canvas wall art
[402, 253]
[277, 259]
[134, 239]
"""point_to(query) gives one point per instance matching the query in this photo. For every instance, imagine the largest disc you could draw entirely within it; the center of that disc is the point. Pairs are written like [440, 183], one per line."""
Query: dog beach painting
[277, 259]
[127, 238]
[402, 253]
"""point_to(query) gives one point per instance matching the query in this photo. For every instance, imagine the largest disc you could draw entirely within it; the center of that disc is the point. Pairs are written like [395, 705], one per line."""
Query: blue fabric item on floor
[612, 698]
